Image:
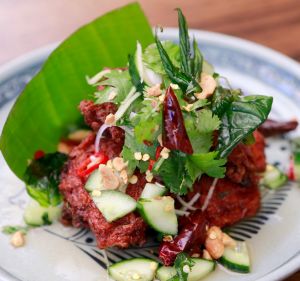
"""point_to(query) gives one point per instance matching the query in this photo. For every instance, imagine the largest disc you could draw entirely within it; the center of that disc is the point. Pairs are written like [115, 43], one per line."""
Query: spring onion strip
[181, 213]
[158, 164]
[99, 136]
[191, 202]
[102, 130]
[185, 204]
[210, 194]
[131, 97]
[93, 80]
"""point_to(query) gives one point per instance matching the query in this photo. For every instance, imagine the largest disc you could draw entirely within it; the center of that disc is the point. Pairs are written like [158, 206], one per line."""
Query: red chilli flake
[39, 154]
[174, 136]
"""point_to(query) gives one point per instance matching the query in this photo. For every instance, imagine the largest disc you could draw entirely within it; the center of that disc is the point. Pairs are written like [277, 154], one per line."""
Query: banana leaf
[49, 102]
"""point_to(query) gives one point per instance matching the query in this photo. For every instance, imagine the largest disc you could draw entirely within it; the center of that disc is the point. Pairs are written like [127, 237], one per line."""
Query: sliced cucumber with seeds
[113, 204]
[273, 178]
[201, 269]
[165, 273]
[94, 181]
[36, 215]
[133, 269]
[236, 258]
[152, 190]
[159, 213]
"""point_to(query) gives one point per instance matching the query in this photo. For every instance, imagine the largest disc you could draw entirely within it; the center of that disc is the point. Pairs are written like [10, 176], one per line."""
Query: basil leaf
[240, 119]
[184, 40]
[42, 178]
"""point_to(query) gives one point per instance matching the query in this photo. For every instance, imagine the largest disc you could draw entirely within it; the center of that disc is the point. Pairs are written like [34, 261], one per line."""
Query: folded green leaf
[42, 178]
[49, 102]
[240, 119]
[197, 61]
[135, 76]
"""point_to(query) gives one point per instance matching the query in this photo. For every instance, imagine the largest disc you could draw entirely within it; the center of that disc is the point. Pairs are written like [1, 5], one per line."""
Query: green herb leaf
[186, 83]
[197, 61]
[173, 173]
[135, 76]
[131, 146]
[11, 229]
[115, 81]
[205, 163]
[240, 119]
[184, 40]
[182, 260]
[42, 178]
[200, 128]
[152, 59]
[49, 102]
[46, 220]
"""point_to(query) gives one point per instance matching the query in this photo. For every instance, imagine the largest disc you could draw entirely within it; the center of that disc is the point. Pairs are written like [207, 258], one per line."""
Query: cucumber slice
[152, 190]
[94, 181]
[236, 258]
[164, 273]
[201, 269]
[133, 269]
[114, 204]
[159, 213]
[35, 214]
[273, 177]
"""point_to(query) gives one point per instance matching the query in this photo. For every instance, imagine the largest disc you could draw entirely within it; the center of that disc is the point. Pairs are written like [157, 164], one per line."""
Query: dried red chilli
[271, 127]
[38, 154]
[192, 233]
[174, 135]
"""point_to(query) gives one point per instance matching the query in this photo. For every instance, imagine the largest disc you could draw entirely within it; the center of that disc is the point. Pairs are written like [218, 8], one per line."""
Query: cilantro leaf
[173, 173]
[147, 123]
[116, 81]
[130, 147]
[42, 178]
[11, 229]
[200, 127]
[205, 163]
[182, 260]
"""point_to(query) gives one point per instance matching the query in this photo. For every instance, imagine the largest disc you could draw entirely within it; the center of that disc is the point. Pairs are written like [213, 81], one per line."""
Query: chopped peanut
[167, 238]
[174, 86]
[64, 147]
[18, 239]
[214, 247]
[109, 179]
[133, 179]
[154, 91]
[161, 98]
[215, 232]
[208, 85]
[159, 139]
[118, 163]
[138, 156]
[188, 107]
[165, 153]
[146, 157]
[110, 119]
[149, 176]
[124, 176]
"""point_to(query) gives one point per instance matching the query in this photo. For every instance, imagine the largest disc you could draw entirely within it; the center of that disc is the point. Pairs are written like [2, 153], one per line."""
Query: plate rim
[35, 56]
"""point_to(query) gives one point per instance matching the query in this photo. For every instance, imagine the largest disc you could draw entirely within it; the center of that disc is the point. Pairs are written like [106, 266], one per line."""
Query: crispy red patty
[80, 210]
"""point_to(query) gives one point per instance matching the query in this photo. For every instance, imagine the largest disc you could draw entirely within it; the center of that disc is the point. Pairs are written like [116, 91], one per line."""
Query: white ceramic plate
[58, 253]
